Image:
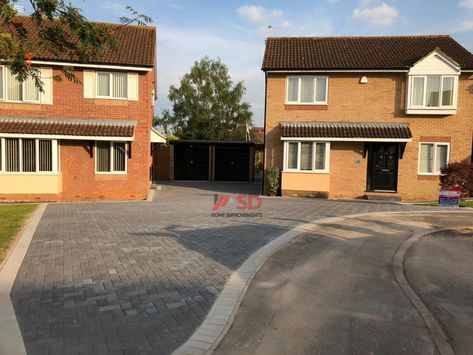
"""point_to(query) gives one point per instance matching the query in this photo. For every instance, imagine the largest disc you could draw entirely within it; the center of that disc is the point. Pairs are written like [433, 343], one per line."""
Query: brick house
[373, 117]
[81, 141]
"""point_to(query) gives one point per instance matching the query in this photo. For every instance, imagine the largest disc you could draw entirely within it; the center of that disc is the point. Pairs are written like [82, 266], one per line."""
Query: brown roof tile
[351, 53]
[135, 45]
[67, 127]
[345, 130]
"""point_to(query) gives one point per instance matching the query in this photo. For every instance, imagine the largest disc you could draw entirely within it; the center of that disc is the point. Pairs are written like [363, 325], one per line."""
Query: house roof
[67, 127]
[135, 45]
[345, 130]
[359, 53]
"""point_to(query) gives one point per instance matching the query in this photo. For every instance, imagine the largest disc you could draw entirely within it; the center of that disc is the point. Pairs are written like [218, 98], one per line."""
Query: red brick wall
[76, 165]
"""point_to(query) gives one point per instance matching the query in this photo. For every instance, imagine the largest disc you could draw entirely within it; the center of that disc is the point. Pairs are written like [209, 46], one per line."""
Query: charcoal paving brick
[131, 277]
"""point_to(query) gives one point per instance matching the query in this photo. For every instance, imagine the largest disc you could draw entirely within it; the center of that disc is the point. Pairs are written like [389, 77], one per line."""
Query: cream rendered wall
[30, 184]
[299, 181]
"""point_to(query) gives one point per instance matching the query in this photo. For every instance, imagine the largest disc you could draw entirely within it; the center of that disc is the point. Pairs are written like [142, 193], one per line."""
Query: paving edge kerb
[220, 317]
[11, 341]
[435, 328]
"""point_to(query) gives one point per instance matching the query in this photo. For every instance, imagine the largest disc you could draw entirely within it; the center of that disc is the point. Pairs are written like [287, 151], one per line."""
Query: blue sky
[235, 30]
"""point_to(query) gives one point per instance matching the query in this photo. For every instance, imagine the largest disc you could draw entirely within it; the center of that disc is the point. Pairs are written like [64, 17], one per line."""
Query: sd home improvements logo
[243, 203]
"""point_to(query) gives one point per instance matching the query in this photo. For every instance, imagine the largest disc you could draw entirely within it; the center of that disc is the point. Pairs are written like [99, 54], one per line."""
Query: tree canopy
[61, 28]
[207, 105]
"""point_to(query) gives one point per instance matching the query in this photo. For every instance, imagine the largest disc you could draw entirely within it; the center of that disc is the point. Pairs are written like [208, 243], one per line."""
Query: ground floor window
[306, 156]
[433, 157]
[111, 157]
[28, 155]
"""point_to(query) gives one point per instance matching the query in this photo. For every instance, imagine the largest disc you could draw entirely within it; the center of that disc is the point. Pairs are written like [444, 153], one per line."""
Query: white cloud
[382, 15]
[466, 4]
[259, 14]
[465, 26]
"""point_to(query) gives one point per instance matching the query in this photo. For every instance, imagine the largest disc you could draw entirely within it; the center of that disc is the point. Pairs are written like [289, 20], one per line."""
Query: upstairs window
[21, 155]
[309, 90]
[111, 157]
[306, 156]
[432, 91]
[112, 85]
[12, 90]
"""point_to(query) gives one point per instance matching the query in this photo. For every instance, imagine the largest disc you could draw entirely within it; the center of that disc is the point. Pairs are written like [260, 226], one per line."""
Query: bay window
[432, 91]
[433, 157]
[12, 90]
[306, 156]
[26, 155]
[112, 85]
[307, 90]
[111, 157]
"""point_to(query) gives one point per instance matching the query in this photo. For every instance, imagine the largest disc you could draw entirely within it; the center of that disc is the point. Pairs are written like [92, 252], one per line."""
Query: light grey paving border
[11, 341]
[435, 328]
[220, 318]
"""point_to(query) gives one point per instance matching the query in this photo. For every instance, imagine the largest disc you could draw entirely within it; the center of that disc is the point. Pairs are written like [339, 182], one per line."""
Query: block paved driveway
[139, 277]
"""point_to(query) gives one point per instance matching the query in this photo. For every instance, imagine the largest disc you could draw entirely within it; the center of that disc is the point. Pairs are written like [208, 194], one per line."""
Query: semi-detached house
[350, 117]
[87, 140]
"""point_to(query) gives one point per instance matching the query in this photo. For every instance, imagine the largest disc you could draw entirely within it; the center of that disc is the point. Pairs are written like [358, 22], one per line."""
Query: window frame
[424, 97]
[110, 83]
[54, 150]
[326, 170]
[434, 158]
[299, 84]
[4, 69]
[111, 155]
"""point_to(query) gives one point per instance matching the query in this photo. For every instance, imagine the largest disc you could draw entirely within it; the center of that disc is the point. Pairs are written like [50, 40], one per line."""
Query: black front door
[382, 166]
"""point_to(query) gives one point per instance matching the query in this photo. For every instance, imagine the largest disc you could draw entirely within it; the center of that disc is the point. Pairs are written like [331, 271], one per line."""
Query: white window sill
[431, 111]
[21, 102]
[39, 173]
[307, 171]
[430, 174]
[111, 98]
[110, 173]
[306, 103]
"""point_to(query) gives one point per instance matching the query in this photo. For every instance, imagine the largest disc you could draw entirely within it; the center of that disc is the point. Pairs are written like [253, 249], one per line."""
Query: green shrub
[272, 179]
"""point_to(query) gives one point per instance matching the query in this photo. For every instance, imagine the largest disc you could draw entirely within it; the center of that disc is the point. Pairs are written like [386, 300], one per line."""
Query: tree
[207, 105]
[61, 28]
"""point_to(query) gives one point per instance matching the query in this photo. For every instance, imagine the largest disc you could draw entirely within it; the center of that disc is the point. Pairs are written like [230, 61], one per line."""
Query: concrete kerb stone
[11, 341]
[435, 328]
[238, 283]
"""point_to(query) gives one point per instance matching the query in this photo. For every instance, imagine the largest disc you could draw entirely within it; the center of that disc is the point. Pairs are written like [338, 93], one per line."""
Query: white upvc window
[111, 157]
[307, 90]
[12, 90]
[433, 91]
[433, 157]
[306, 156]
[28, 155]
[112, 85]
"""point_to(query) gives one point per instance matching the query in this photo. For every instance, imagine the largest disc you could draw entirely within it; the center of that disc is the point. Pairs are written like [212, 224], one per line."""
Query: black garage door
[191, 161]
[232, 163]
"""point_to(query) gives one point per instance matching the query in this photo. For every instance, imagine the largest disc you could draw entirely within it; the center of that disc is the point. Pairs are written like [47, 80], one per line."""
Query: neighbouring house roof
[157, 137]
[359, 53]
[135, 45]
[346, 130]
[67, 127]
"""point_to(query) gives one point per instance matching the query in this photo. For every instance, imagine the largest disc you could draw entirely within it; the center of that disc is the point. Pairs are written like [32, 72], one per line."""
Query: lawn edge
[17, 236]
[11, 340]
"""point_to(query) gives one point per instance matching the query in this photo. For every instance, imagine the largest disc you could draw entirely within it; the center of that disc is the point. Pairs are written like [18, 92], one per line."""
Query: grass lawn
[12, 218]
